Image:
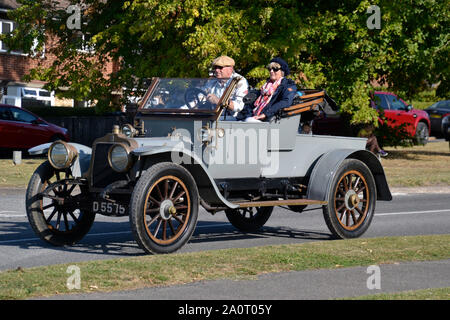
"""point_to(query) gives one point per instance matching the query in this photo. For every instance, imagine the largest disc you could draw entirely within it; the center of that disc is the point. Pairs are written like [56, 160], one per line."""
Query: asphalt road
[407, 214]
[300, 285]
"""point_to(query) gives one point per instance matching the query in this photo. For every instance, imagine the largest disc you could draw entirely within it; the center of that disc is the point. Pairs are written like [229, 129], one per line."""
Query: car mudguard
[205, 183]
[79, 167]
[326, 166]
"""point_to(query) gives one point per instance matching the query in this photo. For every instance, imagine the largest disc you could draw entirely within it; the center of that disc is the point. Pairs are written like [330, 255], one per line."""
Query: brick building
[15, 65]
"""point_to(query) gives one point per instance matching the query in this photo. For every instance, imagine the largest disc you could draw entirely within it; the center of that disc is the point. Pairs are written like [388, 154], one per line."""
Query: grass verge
[163, 270]
[17, 176]
[425, 294]
[427, 165]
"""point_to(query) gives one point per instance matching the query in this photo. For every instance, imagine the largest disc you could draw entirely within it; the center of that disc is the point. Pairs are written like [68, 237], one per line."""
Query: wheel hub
[351, 200]
[167, 209]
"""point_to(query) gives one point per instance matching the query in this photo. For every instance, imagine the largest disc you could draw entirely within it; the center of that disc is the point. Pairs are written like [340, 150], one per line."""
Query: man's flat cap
[223, 61]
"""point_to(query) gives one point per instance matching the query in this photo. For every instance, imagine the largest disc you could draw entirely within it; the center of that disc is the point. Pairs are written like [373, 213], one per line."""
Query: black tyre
[351, 200]
[249, 219]
[422, 134]
[164, 208]
[298, 208]
[56, 216]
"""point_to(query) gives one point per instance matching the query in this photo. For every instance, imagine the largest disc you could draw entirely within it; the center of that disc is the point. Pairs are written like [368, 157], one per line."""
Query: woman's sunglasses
[274, 69]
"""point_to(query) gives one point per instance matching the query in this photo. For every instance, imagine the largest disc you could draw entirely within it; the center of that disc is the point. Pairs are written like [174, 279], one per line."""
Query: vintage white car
[181, 152]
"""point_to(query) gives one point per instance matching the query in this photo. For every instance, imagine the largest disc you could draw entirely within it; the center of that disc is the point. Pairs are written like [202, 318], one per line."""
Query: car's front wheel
[54, 203]
[422, 133]
[164, 208]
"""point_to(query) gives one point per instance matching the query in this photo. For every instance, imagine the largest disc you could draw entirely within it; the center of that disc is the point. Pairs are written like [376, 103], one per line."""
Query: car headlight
[128, 130]
[119, 158]
[61, 155]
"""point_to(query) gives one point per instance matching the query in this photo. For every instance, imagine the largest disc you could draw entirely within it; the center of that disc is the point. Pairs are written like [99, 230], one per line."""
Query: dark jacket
[281, 98]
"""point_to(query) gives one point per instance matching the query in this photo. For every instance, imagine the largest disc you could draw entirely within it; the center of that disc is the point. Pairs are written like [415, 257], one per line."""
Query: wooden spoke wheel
[54, 206]
[351, 200]
[168, 208]
[249, 219]
[164, 208]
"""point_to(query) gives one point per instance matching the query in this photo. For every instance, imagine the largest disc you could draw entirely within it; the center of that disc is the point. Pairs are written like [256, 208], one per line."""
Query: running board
[273, 203]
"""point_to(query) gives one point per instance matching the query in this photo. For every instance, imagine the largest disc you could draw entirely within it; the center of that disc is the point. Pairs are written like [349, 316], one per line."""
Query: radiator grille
[102, 174]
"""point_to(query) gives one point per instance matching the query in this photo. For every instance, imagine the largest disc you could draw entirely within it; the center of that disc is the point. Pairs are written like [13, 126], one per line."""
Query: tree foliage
[326, 43]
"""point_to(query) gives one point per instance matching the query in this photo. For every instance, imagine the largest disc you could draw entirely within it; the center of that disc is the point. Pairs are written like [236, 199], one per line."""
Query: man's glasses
[219, 67]
[274, 69]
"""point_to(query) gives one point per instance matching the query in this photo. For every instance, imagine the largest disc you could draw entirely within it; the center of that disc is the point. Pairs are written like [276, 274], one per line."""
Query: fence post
[17, 157]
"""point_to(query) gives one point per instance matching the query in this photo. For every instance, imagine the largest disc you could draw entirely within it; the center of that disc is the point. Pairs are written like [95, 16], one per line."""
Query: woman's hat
[283, 64]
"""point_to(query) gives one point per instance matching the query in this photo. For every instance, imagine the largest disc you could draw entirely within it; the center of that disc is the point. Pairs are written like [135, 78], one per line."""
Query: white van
[25, 96]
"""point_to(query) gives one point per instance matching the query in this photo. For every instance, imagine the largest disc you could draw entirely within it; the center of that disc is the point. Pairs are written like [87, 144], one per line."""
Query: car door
[399, 113]
[30, 132]
[237, 154]
[8, 130]
[380, 103]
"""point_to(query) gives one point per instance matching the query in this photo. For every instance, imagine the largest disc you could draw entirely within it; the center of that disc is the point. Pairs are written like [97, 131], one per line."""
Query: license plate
[109, 208]
[438, 116]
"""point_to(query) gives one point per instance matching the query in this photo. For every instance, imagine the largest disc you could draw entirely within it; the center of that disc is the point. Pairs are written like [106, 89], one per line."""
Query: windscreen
[187, 94]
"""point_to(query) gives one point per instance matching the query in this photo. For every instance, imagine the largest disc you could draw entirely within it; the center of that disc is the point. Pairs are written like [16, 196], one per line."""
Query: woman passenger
[277, 93]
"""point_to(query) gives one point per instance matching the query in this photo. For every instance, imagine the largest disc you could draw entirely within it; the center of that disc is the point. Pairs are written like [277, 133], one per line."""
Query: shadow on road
[116, 239]
[229, 233]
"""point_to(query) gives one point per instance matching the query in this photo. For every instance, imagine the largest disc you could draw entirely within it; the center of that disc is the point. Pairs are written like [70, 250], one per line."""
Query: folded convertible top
[311, 100]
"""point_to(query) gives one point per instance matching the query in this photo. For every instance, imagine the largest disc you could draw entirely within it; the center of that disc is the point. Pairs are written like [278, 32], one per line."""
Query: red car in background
[21, 129]
[398, 112]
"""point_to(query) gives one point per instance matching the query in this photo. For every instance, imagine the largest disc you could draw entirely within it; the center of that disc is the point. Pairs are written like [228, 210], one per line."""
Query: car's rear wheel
[54, 206]
[351, 200]
[422, 133]
[298, 208]
[164, 208]
[249, 219]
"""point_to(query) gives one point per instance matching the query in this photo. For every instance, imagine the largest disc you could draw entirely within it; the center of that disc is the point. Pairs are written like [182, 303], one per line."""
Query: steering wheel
[196, 96]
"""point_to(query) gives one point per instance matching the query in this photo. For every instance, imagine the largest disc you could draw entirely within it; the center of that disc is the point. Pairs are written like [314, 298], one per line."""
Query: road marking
[12, 215]
[4, 214]
[411, 212]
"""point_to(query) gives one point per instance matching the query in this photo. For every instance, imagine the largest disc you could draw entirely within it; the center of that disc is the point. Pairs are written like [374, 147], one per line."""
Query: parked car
[396, 111]
[446, 127]
[21, 129]
[178, 154]
[437, 112]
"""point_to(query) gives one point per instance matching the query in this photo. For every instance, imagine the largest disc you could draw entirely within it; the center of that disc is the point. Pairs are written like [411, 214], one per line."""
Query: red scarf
[267, 91]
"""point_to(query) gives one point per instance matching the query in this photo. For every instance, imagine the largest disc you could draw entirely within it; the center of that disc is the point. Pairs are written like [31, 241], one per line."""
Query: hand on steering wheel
[196, 96]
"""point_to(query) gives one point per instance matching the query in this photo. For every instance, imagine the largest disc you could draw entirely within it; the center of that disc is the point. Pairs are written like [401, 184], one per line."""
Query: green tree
[327, 44]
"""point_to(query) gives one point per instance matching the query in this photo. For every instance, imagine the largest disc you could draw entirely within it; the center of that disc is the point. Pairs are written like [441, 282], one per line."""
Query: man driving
[223, 68]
